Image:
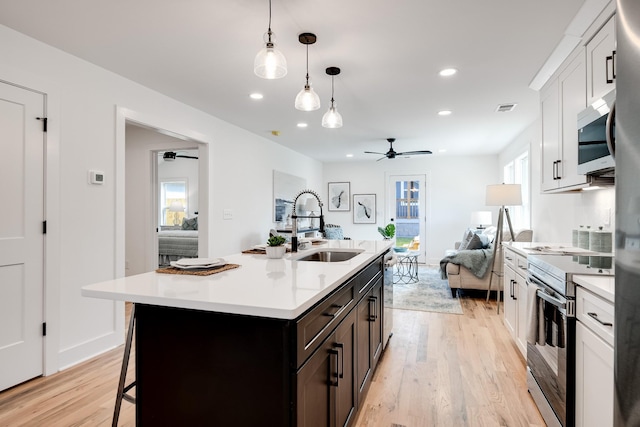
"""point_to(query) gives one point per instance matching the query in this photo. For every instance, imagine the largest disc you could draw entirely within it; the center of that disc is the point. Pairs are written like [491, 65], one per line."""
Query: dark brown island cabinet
[202, 368]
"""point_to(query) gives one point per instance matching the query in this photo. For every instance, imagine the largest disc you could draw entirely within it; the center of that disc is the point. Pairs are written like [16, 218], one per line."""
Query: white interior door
[21, 235]
[406, 202]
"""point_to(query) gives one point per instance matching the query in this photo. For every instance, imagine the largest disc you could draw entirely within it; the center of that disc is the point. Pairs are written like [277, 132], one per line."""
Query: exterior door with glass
[406, 206]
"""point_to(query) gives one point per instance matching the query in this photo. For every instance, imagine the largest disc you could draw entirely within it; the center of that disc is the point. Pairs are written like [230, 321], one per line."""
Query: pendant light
[332, 119]
[270, 62]
[307, 99]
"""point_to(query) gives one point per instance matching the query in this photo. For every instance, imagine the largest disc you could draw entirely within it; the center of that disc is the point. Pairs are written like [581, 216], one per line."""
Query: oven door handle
[545, 296]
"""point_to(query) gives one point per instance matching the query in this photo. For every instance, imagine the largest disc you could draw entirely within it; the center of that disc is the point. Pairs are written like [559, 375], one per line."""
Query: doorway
[144, 151]
[406, 206]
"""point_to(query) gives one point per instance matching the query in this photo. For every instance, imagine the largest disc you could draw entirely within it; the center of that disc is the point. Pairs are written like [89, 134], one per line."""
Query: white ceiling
[201, 53]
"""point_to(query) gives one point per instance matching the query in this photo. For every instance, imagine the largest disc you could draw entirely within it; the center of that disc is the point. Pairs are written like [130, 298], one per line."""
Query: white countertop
[599, 285]
[278, 288]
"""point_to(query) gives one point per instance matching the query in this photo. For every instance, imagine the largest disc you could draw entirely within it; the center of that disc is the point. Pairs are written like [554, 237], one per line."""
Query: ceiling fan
[391, 154]
[172, 155]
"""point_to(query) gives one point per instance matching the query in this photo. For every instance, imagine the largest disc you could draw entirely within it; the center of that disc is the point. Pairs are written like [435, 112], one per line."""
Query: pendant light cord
[332, 91]
[307, 64]
[269, 31]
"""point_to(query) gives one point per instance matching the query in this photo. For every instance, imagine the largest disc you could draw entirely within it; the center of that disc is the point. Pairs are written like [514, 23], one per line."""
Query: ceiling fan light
[307, 99]
[332, 119]
[270, 63]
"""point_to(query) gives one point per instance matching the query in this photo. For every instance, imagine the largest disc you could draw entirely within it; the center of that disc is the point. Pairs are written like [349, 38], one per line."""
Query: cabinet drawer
[521, 265]
[319, 323]
[510, 258]
[366, 278]
[595, 313]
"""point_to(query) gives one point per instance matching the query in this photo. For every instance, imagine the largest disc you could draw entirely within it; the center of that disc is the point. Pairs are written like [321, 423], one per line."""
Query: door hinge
[44, 227]
[44, 329]
[44, 123]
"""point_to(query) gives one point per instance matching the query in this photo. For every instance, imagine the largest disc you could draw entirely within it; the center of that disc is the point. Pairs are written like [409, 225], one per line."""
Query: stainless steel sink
[329, 256]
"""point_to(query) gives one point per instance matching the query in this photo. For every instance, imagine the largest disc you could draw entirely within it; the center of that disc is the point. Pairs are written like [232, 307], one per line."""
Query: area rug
[430, 293]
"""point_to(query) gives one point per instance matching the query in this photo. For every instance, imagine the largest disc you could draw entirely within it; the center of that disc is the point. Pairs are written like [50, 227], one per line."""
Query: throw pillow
[466, 238]
[190, 223]
[474, 243]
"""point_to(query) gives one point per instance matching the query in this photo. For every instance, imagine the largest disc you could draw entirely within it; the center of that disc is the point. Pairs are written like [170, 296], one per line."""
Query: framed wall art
[364, 208]
[339, 196]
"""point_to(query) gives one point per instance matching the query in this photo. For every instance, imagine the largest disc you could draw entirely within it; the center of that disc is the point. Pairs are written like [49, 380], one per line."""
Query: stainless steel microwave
[596, 137]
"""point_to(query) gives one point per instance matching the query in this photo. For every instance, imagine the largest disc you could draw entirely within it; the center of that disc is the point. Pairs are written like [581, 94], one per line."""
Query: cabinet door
[601, 62]
[315, 386]
[346, 393]
[550, 116]
[594, 379]
[510, 308]
[376, 323]
[523, 310]
[572, 90]
[364, 366]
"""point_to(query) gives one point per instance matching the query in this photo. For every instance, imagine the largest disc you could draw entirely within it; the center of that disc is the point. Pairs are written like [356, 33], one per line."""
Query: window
[407, 199]
[517, 172]
[173, 202]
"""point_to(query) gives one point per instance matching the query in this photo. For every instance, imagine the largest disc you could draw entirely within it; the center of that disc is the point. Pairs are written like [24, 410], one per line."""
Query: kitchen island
[275, 342]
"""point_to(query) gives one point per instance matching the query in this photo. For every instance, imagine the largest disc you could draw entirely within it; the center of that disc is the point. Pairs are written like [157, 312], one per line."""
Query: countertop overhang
[275, 288]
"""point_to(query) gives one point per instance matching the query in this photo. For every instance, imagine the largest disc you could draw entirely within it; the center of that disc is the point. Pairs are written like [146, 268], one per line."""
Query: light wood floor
[438, 370]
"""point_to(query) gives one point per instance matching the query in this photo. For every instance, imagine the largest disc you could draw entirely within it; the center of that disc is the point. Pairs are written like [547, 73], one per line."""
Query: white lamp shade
[481, 218]
[504, 195]
[307, 99]
[332, 119]
[270, 63]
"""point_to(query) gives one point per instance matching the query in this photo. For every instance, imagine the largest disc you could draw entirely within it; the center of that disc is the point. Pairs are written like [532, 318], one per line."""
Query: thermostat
[96, 177]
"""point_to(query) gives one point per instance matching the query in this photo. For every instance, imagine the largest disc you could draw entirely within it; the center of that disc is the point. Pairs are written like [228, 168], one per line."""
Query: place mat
[259, 251]
[207, 272]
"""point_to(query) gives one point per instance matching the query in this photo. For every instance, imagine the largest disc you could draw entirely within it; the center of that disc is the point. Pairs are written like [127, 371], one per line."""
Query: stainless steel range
[551, 344]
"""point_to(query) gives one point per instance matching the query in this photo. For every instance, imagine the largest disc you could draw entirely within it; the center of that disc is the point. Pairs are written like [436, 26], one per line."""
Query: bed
[176, 244]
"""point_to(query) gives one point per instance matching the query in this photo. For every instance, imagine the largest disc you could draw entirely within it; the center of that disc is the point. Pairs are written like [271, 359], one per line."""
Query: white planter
[275, 251]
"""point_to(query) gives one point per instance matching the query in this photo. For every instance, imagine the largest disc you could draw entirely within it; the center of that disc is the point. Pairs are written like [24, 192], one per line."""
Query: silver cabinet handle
[594, 316]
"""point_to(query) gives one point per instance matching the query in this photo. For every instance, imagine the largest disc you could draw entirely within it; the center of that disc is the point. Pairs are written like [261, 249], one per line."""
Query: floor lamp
[502, 195]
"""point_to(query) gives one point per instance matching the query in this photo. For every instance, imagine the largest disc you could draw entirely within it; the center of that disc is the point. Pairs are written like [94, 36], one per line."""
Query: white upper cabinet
[601, 61]
[561, 101]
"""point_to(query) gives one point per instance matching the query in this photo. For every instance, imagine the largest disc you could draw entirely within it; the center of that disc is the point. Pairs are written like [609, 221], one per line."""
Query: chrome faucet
[294, 218]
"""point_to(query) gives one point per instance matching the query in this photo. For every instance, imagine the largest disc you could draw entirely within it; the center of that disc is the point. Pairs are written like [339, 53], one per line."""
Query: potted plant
[388, 232]
[275, 247]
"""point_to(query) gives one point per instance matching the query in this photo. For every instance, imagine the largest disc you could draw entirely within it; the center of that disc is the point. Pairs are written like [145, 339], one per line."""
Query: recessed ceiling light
[442, 150]
[448, 72]
[349, 155]
[444, 113]
[256, 96]
[302, 125]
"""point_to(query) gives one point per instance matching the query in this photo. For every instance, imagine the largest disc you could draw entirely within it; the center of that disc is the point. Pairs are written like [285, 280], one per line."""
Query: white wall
[456, 187]
[85, 242]
[553, 216]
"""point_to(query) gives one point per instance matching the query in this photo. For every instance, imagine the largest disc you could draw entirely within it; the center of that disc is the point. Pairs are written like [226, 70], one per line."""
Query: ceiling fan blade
[373, 152]
[383, 157]
[411, 153]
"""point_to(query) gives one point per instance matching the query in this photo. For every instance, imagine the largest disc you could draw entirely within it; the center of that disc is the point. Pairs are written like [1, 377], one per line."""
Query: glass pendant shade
[332, 119]
[307, 99]
[270, 63]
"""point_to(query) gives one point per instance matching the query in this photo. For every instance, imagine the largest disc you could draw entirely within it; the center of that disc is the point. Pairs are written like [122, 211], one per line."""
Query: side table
[406, 270]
